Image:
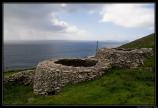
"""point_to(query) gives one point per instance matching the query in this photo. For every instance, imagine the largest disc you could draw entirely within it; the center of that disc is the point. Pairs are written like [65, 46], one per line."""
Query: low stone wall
[129, 58]
[22, 77]
[50, 77]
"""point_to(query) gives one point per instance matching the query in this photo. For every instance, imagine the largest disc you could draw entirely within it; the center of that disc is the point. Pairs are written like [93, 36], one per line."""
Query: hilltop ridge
[144, 42]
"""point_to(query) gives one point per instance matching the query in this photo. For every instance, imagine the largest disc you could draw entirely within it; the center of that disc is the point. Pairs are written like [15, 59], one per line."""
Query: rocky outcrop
[22, 77]
[52, 75]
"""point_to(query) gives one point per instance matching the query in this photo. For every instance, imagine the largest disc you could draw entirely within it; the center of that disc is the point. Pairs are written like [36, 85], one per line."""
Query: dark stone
[51, 93]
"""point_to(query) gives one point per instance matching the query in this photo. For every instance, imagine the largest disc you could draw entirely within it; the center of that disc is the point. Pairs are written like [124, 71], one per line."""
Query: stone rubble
[23, 77]
[129, 58]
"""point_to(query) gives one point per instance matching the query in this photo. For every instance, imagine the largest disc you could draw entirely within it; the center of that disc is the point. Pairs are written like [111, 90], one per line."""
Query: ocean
[27, 54]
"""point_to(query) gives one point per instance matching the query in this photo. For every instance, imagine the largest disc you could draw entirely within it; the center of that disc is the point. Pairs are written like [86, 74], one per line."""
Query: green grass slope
[120, 86]
[144, 42]
[116, 87]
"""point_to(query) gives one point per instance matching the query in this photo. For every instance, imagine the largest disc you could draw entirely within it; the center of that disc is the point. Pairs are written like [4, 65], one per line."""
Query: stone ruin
[51, 76]
[124, 58]
[23, 77]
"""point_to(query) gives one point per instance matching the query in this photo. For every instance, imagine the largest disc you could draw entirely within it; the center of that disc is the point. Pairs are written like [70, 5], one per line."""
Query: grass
[145, 42]
[10, 72]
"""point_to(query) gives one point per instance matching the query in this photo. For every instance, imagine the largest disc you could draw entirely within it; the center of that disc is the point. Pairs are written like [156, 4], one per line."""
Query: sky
[84, 21]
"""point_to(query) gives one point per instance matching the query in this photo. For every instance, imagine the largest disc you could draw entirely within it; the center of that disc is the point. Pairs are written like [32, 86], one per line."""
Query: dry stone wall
[23, 77]
[129, 58]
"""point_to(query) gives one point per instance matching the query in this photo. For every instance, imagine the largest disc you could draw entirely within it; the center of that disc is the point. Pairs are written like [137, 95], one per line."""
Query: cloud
[44, 21]
[66, 27]
[128, 15]
[72, 7]
[36, 21]
[35, 16]
[63, 5]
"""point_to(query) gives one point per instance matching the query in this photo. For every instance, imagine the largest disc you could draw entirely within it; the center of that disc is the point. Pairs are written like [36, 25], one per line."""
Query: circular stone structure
[52, 75]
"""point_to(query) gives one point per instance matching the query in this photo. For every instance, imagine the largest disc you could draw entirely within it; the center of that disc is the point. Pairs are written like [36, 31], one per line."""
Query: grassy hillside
[118, 86]
[144, 42]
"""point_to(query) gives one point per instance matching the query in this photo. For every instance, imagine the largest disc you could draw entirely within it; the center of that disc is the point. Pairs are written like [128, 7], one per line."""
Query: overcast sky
[77, 21]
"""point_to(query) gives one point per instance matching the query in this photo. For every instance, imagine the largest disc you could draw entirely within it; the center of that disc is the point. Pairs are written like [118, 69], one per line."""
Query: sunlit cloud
[128, 15]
